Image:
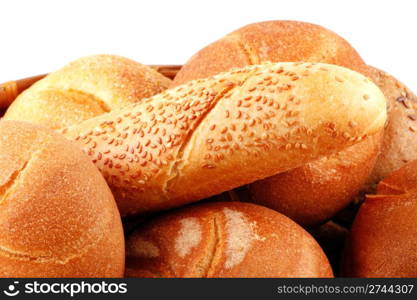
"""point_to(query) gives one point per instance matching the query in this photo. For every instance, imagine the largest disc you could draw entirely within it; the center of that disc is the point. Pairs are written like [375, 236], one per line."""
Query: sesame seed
[412, 117]
[352, 124]
[209, 166]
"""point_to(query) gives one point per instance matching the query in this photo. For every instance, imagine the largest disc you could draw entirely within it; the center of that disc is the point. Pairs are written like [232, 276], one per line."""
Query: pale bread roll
[85, 88]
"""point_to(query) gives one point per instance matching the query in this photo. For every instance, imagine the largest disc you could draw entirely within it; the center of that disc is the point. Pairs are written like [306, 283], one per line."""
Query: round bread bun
[400, 138]
[85, 88]
[315, 192]
[383, 240]
[58, 217]
[275, 41]
[224, 239]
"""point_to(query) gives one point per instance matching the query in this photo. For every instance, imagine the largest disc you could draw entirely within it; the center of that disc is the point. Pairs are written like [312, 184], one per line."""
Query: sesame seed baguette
[215, 134]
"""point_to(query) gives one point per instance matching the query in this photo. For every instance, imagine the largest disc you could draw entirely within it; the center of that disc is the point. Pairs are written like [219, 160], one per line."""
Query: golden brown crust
[216, 134]
[275, 41]
[230, 239]
[400, 137]
[86, 88]
[383, 238]
[401, 181]
[316, 191]
[63, 224]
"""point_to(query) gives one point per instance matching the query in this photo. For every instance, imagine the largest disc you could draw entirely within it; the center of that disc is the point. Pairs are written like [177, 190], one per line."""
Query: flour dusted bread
[58, 217]
[274, 41]
[85, 88]
[383, 240]
[212, 135]
[222, 239]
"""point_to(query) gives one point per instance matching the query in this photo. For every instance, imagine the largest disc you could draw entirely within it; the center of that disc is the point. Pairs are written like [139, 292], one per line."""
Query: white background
[40, 36]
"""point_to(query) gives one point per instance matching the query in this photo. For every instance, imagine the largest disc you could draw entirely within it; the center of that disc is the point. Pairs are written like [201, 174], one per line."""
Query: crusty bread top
[275, 41]
[55, 205]
[229, 239]
[215, 134]
[114, 80]
[84, 88]
[401, 181]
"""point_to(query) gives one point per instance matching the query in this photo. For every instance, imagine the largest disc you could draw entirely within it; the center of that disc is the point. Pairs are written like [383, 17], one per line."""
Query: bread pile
[282, 114]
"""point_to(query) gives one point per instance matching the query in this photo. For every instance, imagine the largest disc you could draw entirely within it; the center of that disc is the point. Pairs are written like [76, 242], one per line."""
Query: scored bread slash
[211, 135]
[224, 240]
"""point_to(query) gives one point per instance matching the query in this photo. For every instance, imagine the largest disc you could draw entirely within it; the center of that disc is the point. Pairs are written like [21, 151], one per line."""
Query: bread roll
[224, 239]
[58, 217]
[383, 238]
[275, 41]
[316, 191]
[86, 88]
[219, 133]
[400, 138]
